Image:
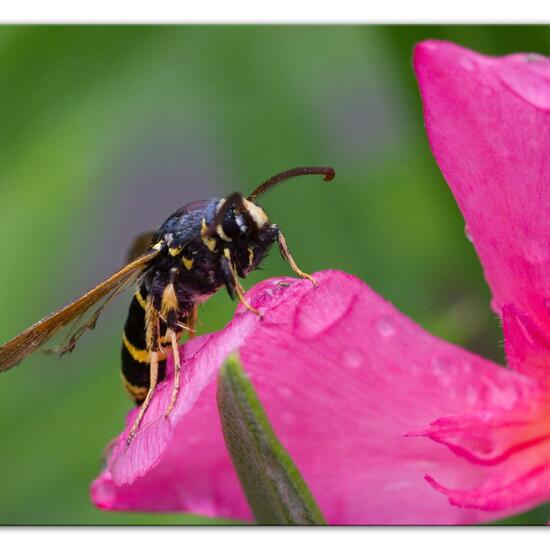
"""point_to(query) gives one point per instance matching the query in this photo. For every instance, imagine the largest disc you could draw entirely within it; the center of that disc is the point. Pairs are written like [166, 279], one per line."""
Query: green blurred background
[107, 130]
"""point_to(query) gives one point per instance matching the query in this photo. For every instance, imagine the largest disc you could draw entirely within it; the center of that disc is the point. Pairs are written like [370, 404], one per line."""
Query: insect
[202, 247]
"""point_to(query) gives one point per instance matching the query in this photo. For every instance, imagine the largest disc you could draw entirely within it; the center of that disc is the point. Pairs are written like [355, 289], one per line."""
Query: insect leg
[170, 310]
[153, 383]
[189, 324]
[232, 282]
[288, 257]
[177, 369]
[192, 322]
[173, 335]
[152, 323]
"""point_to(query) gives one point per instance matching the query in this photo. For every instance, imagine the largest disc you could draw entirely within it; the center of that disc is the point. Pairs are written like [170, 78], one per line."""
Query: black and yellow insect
[200, 248]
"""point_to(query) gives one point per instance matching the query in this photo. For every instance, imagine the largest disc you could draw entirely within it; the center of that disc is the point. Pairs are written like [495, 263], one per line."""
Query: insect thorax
[192, 259]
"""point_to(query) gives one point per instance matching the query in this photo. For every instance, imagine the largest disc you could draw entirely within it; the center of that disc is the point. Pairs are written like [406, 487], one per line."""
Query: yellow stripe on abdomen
[141, 355]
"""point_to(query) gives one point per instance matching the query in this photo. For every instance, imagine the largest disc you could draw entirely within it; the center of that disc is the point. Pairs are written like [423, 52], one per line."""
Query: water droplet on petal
[467, 63]
[384, 327]
[471, 396]
[352, 359]
[256, 378]
[536, 253]
[528, 81]
[284, 391]
[321, 309]
[441, 369]
[398, 486]
[432, 46]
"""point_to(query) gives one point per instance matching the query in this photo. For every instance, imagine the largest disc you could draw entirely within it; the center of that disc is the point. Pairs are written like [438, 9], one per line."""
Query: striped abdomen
[135, 356]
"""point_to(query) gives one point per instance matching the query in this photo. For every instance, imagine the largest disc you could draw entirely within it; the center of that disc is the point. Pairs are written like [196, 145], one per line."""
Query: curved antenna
[326, 171]
[233, 199]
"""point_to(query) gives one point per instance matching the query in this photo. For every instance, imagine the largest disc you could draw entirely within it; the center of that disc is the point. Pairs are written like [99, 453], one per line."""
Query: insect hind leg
[145, 405]
[163, 325]
[152, 337]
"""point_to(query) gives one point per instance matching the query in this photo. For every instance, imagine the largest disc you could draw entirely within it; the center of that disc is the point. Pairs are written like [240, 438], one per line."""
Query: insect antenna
[326, 171]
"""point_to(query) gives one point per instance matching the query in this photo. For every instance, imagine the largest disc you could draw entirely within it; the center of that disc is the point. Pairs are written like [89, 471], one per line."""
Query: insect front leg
[285, 252]
[232, 283]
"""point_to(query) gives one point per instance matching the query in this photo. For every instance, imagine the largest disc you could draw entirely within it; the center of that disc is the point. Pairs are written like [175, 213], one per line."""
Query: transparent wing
[141, 243]
[31, 339]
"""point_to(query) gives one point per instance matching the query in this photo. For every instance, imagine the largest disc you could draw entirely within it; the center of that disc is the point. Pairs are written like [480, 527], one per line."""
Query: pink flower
[488, 122]
[365, 401]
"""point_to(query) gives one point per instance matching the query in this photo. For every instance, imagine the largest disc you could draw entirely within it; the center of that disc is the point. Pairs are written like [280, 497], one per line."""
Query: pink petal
[502, 493]
[527, 346]
[343, 377]
[488, 122]
[514, 443]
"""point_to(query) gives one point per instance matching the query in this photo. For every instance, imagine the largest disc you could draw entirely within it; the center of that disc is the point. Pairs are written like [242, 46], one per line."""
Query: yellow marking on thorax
[139, 355]
[187, 262]
[250, 256]
[157, 246]
[209, 242]
[175, 251]
[140, 299]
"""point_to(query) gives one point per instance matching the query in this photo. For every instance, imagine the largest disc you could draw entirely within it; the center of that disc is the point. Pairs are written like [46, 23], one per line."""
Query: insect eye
[234, 226]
